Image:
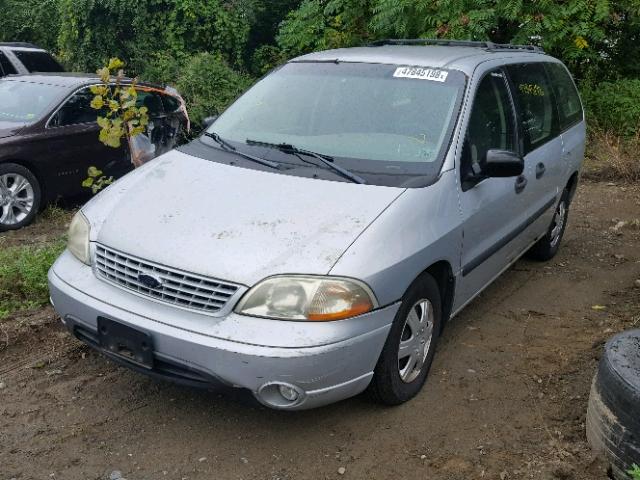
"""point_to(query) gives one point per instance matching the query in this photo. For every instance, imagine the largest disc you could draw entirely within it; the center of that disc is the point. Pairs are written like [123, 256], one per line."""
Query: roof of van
[464, 58]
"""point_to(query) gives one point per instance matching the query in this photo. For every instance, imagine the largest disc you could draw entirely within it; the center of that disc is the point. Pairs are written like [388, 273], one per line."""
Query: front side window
[377, 120]
[25, 102]
[35, 61]
[569, 105]
[76, 110]
[491, 125]
[536, 103]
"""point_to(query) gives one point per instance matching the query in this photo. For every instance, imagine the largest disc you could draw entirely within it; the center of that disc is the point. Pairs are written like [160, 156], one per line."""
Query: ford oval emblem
[149, 280]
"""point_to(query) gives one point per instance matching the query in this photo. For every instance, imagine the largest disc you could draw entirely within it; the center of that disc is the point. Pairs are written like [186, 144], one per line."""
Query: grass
[23, 276]
[611, 157]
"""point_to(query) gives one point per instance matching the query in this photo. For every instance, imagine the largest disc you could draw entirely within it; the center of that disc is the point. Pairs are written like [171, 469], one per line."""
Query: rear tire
[20, 196]
[547, 247]
[408, 352]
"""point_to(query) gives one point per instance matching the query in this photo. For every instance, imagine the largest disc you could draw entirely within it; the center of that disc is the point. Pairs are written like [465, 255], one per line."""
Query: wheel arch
[442, 273]
[572, 184]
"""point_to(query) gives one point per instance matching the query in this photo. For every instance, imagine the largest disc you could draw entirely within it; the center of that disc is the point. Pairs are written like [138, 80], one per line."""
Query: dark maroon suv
[49, 139]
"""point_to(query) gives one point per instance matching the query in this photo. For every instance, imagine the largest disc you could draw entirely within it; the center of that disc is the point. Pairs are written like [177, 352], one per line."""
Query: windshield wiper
[325, 159]
[230, 148]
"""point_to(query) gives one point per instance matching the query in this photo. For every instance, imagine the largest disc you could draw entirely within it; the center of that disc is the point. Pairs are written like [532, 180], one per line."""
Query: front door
[492, 208]
[72, 133]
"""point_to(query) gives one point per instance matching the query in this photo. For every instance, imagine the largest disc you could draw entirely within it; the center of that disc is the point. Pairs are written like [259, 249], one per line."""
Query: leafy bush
[36, 21]
[91, 32]
[209, 85]
[23, 276]
[614, 106]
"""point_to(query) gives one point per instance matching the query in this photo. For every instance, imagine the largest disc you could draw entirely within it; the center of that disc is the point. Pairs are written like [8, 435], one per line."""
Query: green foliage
[92, 31]
[614, 107]
[120, 118]
[23, 276]
[634, 472]
[588, 35]
[36, 21]
[208, 85]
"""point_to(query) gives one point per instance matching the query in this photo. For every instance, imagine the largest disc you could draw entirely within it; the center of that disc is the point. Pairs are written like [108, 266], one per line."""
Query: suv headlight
[311, 298]
[78, 242]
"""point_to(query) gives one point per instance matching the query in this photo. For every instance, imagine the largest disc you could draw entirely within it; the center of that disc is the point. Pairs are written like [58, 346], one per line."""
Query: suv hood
[8, 129]
[232, 223]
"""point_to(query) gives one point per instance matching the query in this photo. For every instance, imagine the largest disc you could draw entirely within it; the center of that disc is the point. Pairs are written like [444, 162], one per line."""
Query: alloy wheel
[16, 198]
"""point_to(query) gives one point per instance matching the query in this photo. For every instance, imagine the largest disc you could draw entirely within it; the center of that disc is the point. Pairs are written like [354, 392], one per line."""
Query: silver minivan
[315, 240]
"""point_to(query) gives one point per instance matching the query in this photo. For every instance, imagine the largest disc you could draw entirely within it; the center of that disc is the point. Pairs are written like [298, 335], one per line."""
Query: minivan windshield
[25, 102]
[388, 120]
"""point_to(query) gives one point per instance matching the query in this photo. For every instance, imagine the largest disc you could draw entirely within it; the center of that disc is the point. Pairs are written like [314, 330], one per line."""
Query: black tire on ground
[613, 415]
[7, 172]
[387, 385]
[547, 247]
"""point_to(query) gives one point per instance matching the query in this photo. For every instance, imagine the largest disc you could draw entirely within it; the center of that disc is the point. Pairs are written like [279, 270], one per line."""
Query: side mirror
[502, 163]
[208, 121]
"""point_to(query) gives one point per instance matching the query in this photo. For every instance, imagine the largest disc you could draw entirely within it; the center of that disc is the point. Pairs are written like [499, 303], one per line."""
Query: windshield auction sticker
[420, 73]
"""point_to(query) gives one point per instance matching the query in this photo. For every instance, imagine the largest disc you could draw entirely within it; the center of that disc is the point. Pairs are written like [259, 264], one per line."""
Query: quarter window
[569, 106]
[35, 61]
[491, 125]
[536, 101]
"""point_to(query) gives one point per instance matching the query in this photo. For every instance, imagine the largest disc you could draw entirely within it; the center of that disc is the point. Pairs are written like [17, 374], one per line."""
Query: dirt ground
[506, 398]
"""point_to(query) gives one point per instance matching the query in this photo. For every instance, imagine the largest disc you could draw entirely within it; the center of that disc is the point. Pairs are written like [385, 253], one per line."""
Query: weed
[23, 276]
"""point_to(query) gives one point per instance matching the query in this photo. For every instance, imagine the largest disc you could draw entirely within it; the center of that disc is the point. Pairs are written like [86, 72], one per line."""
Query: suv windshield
[25, 102]
[389, 121]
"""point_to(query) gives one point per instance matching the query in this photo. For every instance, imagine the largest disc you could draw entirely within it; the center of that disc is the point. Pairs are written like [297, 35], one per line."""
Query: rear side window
[152, 101]
[5, 66]
[569, 106]
[536, 102]
[37, 61]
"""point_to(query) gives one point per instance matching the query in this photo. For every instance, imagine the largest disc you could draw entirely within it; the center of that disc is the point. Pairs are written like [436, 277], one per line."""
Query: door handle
[521, 182]
[540, 169]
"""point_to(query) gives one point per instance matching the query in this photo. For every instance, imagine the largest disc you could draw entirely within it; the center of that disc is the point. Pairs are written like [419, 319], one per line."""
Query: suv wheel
[408, 352]
[19, 196]
[547, 247]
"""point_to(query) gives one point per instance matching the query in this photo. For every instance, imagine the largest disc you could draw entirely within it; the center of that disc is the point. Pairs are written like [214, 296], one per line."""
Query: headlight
[307, 298]
[78, 242]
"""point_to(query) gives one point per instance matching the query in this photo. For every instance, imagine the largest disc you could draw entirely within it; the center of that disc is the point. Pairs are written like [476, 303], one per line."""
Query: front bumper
[324, 362]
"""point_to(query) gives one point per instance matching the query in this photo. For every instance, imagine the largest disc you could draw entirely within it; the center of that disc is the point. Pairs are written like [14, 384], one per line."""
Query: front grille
[181, 289]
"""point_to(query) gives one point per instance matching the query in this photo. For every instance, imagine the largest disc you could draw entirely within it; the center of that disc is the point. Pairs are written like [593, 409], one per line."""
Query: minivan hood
[8, 129]
[233, 223]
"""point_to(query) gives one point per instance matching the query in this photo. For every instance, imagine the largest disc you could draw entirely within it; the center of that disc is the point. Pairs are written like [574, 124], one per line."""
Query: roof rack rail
[490, 46]
[18, 44]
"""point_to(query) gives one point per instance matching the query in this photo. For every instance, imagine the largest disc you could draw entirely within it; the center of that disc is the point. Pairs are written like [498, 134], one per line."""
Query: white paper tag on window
[421, 73]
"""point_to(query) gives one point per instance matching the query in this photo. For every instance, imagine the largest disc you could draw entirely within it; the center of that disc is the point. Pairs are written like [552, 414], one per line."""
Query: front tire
[408, 352]
[547, 247]
[20, 196]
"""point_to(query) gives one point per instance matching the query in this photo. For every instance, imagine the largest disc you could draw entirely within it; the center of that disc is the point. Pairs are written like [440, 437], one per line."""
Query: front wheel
[408, 352]
[547, 247]
[19, 196]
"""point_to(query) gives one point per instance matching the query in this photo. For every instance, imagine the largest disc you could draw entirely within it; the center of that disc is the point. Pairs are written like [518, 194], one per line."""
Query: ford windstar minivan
[314, 241]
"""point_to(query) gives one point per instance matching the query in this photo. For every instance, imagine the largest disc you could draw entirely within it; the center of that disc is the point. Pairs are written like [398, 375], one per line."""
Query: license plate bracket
[125, 342]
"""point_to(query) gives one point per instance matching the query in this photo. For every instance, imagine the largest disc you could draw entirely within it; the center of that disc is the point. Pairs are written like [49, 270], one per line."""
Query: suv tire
[547, 247]
[20, 196]
[408, 352]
